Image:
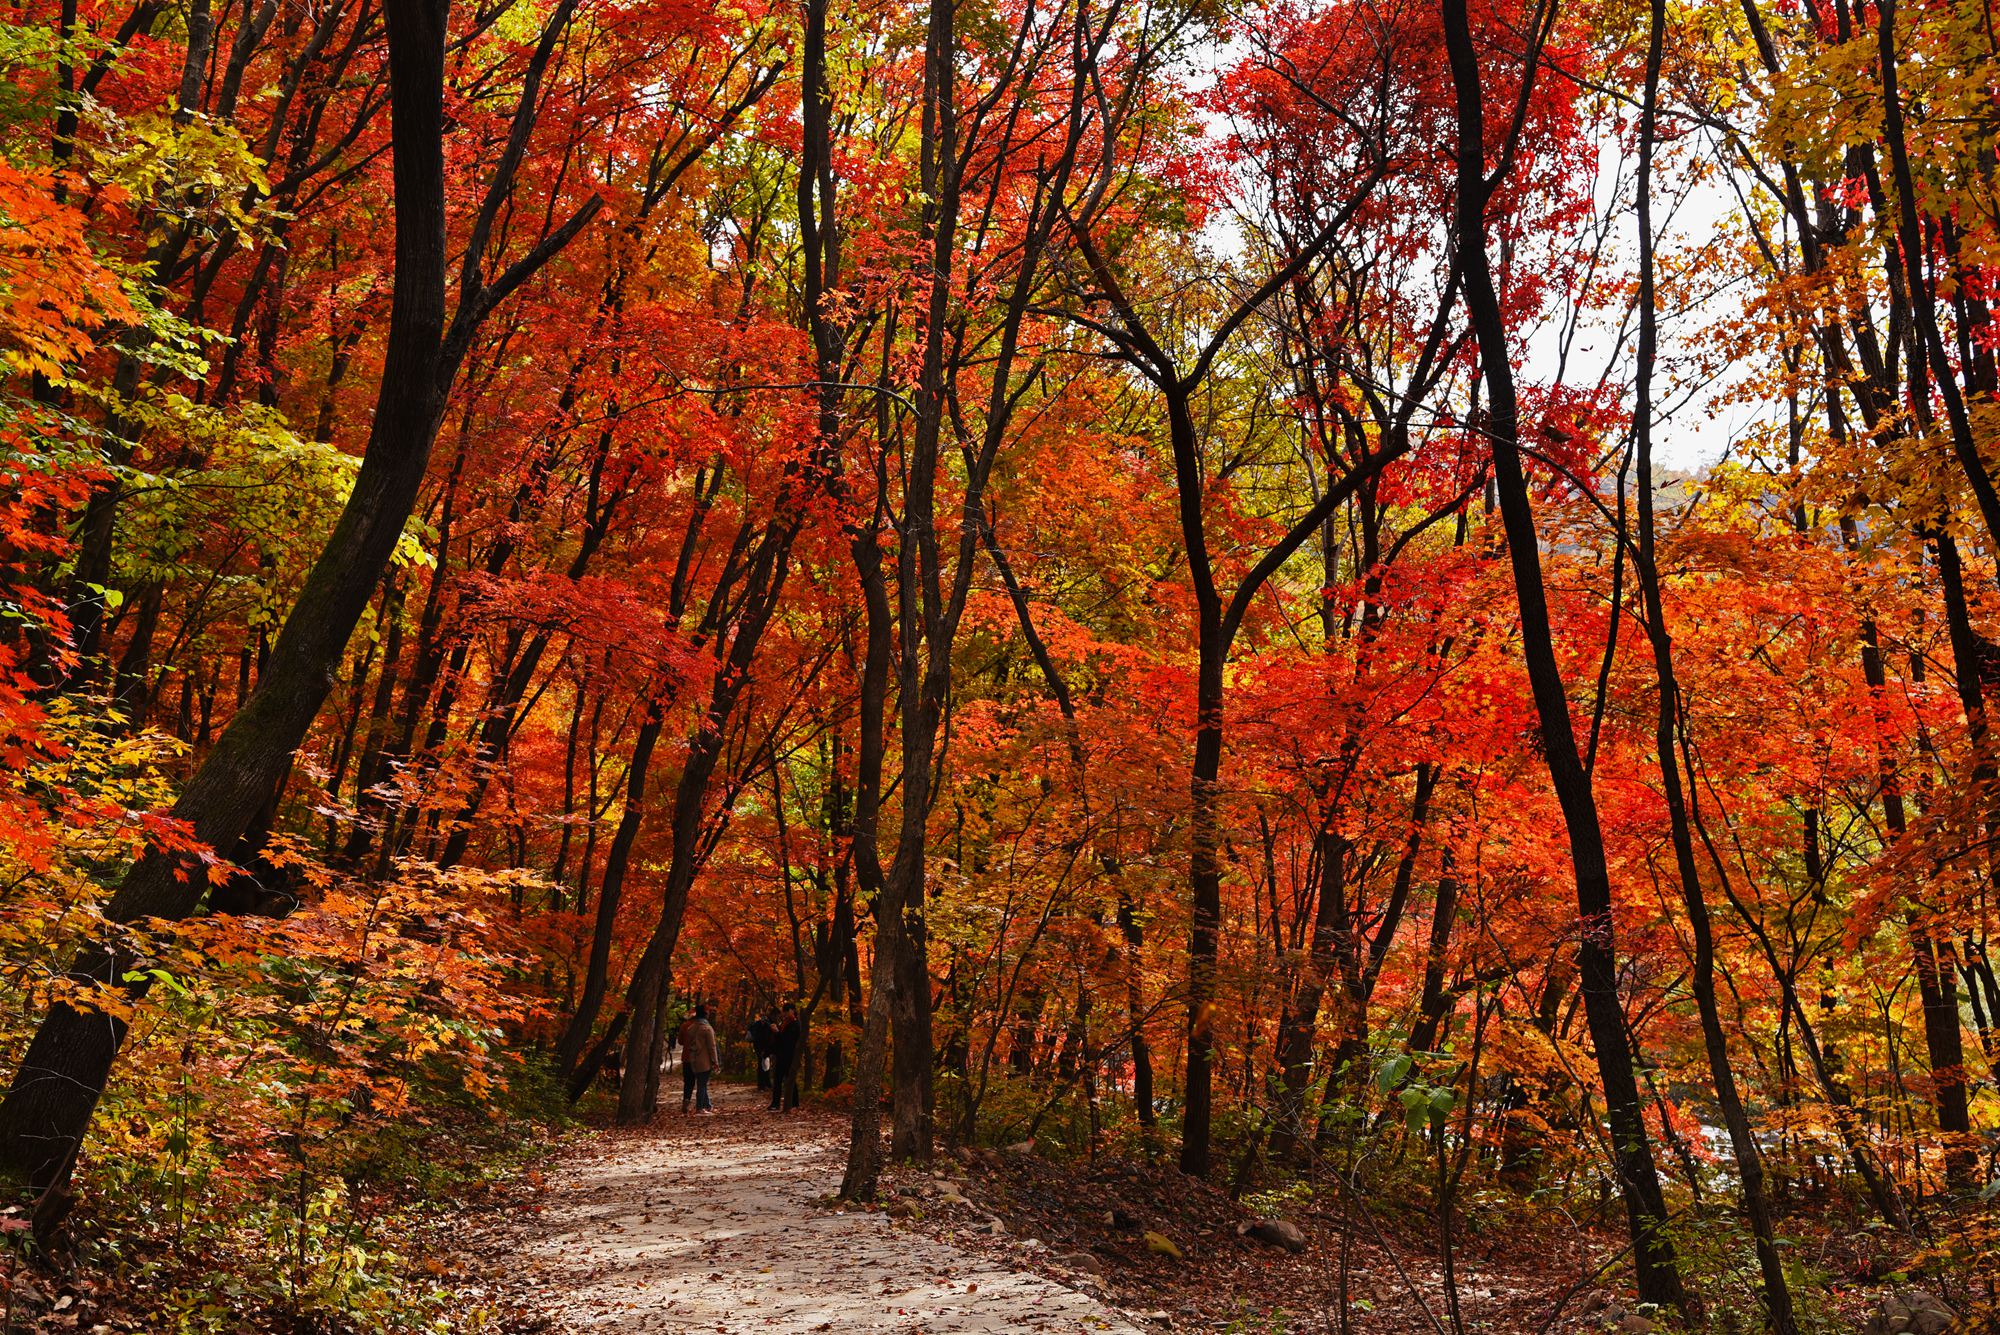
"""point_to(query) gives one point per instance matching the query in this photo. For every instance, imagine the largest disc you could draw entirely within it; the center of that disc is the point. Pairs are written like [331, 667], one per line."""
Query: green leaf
[1394, 1071]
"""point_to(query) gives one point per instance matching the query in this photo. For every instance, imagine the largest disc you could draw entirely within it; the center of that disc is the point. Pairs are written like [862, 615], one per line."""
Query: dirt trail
[713, 1224]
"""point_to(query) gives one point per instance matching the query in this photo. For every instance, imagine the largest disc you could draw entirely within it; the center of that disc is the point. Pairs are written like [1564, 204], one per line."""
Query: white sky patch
[1696, 422]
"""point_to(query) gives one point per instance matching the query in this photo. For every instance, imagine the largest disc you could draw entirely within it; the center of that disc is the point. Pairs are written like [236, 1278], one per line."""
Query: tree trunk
[1433, 1002]
[1298, 1029]
[1668, 737]
[610, 893]
[1205, 884]
[1638, 1178]
[645, 1042]
[1135, 1010]
[62, 1075]
[763, 585]
[864, 1145]
[1936, 964]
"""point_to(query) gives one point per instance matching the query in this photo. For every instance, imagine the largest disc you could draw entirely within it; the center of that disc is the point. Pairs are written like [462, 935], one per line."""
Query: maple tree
[1172, 577]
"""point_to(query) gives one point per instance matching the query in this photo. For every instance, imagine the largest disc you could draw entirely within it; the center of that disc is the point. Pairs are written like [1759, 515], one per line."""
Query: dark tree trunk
[131, 690]
[1936, 965]
[1434, 1001]
[610, 895]
[864, 1147]
[1205, 874]
[1638, 1178]
[48, 1109]
[1135, 1011]
[645, 1043]
[1668, 740]
[1298, 1028]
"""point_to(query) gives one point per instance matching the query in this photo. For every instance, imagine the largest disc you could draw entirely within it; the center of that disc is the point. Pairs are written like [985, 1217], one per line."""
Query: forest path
[714, 1224]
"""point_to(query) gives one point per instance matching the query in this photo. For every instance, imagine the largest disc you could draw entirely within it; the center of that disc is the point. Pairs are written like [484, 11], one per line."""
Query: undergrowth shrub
[295, 1090]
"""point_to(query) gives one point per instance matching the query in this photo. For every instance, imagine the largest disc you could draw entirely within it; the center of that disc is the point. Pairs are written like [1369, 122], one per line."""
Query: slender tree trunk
[1638, 1178]
[1930, 350]
[736, 634]
[1936, 964]
[1433, 1001]
[1205, 883]
[926, 622]
[1298, 1029]
[1135, 1011]
[864, 1148]
[610, 895]
[645, 1040]
[1667, 734]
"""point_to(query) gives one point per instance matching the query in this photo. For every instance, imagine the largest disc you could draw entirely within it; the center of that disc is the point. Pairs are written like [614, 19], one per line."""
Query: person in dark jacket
[763, 1029]
[784, 1055]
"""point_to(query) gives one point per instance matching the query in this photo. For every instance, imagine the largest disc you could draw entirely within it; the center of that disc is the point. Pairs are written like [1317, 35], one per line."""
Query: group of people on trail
[774, 1037]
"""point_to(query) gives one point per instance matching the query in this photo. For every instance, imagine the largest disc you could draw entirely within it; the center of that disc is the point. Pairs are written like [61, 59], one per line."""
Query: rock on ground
[1278, 1233]
[714, 1224]
[1911, 1311]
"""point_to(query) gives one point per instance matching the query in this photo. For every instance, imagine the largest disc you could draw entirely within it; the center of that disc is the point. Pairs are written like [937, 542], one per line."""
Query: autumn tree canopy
[1394, 599]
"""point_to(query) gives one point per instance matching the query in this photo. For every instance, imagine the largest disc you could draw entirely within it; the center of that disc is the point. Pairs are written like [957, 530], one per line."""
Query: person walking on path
[762, 1030]
[784, 1054]
[699, 1056]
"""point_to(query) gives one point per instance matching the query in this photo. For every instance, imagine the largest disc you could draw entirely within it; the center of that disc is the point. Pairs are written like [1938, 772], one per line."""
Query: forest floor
[729, 1224]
